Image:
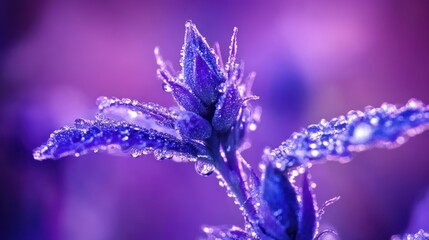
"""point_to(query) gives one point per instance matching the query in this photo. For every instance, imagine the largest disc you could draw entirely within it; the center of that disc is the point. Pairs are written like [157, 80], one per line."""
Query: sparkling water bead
[203, 168]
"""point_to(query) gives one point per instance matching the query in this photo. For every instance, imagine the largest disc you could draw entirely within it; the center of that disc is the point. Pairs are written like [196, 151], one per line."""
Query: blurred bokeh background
[313, 60]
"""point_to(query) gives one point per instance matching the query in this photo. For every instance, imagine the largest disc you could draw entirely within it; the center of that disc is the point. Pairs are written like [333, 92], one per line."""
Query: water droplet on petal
[80, 123]
[136, 153]
[126, 100]
[166, 87]
[314, 131]
[361, 133]
[102, 102]
[353, 116]
[204, 169]
[414, 104]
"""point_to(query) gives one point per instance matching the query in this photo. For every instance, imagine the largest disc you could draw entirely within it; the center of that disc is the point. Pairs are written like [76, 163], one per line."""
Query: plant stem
[229, 170]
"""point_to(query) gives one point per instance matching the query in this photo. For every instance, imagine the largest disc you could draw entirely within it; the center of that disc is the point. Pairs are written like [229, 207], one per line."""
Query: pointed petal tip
[189, 23]
[190, 29]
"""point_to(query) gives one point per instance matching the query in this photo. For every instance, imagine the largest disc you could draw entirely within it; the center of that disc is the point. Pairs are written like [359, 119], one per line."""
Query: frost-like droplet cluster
[387, 126]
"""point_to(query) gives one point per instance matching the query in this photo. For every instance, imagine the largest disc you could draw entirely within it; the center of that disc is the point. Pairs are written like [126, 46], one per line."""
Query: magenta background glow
[313, 60]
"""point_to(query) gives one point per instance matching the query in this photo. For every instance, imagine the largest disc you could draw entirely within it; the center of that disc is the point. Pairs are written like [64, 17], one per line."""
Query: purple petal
[146, 115]
[280, 196]
[86, 136]
[191, 125]
[307, 218]
[227, 109]
[386, 126]
[183, 95]
[201, 70]
[230, 65]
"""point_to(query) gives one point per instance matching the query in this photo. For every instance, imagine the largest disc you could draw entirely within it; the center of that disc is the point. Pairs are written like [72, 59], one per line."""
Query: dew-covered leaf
[386, 126]
[91, 136]
[201, 70]
[192, 125]
[281, 198]
[307, 217]
[226, 233]
[227, 109]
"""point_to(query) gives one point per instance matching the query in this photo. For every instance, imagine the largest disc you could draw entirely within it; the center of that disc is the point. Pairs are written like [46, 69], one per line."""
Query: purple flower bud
[201, 70]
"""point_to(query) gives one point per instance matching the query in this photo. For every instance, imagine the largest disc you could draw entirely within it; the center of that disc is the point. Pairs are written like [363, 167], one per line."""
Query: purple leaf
[280, 196]
[307, 218]
[226, 233]
[86, 136]
[201, 70]
[386, 126]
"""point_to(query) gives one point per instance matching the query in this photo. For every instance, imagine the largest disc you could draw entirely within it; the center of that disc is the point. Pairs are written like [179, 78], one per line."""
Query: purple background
[313, 60]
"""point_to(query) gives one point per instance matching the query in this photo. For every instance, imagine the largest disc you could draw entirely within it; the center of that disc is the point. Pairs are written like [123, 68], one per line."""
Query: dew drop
[147, 150]
[163, 154]
[136, 153]
[362, 133]
[414, 104]
[80, 122]
[204, 169]
[388, 108]
[327, 235]
[314, 153]
[166, 87]
[221, 183]
[102, 102]
[252, 126]
[126, 100]
[313, 131]
[37, 155]
[353, 116]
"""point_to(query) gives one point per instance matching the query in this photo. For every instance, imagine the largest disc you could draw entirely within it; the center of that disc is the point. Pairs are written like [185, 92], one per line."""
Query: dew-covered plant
[209, 128]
